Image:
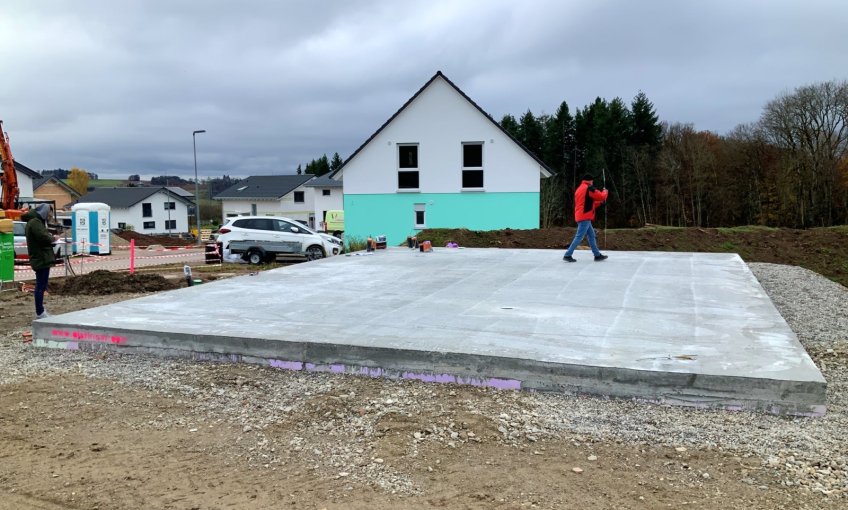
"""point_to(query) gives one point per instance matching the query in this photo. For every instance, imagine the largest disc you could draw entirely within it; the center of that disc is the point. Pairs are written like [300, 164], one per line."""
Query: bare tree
[811, 126]
[551, 201]
[687, 167]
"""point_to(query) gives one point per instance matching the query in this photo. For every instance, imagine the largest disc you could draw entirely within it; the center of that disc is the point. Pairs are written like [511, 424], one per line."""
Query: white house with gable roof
[440, 162]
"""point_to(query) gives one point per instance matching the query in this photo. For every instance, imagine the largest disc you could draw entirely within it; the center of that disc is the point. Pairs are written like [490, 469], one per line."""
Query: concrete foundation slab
[683, 328]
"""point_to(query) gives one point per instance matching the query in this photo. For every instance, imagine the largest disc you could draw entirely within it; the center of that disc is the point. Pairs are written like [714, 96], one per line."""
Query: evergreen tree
[645, 142]
[531, 134]
[299, 170]
[646, 129]
[336, 162]
[510, 125]
[589, 132]
[318, 166]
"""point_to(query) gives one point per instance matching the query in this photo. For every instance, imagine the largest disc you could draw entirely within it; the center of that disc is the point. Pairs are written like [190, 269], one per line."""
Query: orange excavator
[9, 179]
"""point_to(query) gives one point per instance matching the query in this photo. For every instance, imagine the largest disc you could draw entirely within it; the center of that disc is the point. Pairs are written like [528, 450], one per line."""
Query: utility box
[90, 228]
[7, 257]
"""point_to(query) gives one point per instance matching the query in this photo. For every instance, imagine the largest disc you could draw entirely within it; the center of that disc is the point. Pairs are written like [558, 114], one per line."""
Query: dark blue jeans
[41, 276]
[584, 229]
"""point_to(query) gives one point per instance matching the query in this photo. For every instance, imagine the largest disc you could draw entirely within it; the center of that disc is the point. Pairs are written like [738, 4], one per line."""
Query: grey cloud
[118, 87]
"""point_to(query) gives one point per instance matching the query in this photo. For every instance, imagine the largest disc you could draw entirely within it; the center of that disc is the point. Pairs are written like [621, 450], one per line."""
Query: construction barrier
[212, 254]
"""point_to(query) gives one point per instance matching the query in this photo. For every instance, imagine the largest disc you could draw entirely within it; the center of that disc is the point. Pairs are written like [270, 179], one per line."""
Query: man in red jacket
[587, 199]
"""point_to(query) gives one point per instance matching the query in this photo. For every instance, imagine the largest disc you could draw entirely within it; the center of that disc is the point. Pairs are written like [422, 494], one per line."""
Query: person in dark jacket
[40, 248]
[587, 199]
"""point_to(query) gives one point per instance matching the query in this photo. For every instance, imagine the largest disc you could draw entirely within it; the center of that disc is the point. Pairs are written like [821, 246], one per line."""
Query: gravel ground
[806, 454]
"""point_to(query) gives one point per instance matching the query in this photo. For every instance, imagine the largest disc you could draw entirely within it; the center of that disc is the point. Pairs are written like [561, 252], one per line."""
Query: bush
[354, 244]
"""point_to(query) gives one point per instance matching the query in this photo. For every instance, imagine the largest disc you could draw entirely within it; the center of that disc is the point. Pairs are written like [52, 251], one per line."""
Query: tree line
[61, 173]
[789, 168]
[321, 166]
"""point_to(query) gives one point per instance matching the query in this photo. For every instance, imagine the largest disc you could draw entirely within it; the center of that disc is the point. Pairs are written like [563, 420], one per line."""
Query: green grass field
[107, 183]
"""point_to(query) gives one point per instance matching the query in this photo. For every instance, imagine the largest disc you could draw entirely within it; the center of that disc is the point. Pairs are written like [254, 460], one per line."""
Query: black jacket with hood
[39, 240]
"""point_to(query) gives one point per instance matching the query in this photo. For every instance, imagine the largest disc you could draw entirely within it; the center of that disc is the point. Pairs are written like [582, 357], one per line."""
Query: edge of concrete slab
[783, 397]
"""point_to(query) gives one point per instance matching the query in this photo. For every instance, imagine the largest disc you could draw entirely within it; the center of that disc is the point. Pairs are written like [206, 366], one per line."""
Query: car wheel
[314, 252]
[255, 257]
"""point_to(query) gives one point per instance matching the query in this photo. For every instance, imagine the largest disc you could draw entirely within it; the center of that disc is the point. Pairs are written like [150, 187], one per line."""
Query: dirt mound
[823, 250]
[143, 240]
[108, 282]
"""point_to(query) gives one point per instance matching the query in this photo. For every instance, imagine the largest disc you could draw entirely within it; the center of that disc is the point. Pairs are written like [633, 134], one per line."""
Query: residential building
[328, 197]
[270, 195]
[54, 190]
[25, 176]
[149, 210]
[440, 162]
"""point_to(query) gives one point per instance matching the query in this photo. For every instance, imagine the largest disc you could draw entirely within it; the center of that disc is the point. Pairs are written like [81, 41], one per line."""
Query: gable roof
[546, 171]
[324, 182]
[123, 198]
[44, 180]
[180, 191]
[263, 187]
[29, 172]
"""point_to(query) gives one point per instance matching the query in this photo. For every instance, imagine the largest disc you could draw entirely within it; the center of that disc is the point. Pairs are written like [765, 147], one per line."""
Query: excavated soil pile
[107, 282]
[823, 250]
[143, 240]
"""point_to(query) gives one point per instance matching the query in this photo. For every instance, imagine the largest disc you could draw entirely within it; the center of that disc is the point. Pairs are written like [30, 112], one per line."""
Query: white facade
[439, 121]
[324, 203]
[25, 190]
[25, 186]
[286, 206]
[134, 215]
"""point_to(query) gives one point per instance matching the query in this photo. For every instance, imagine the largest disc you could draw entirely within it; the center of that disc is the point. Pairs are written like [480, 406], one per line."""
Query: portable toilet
[90, 228]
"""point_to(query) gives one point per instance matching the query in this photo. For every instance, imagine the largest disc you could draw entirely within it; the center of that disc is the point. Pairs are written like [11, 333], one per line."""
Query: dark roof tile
[266, 187]
[324, 182]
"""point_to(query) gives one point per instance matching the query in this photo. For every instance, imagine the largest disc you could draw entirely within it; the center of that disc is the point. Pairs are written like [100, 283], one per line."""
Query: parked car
[260, 239]
[21, 253]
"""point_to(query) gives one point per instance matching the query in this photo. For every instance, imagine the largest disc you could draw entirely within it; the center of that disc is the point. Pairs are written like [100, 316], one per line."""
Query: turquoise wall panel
[393, 215]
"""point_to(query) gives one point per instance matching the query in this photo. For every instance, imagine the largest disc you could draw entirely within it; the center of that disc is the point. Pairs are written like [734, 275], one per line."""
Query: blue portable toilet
[90, 228]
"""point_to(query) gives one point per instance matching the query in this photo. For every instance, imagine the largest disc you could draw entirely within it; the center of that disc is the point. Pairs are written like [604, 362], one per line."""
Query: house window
[298, 197]
[148, 225]
[170, 205]
[146, 210]
[407, 180]
[122, 225]
[171, 224]
[407, 166]
[325, 192]
[253, 209]
[419, 216]
[472, 165]
[408, 156]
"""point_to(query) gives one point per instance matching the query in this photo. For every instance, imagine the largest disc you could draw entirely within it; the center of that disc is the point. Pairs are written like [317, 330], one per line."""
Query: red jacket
[587, 198]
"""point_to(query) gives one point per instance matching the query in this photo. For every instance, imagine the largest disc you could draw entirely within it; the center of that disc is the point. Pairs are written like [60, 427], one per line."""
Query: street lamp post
[196, 188]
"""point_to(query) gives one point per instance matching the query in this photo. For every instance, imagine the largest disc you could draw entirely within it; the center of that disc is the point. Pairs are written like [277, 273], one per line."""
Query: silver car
[21, 253]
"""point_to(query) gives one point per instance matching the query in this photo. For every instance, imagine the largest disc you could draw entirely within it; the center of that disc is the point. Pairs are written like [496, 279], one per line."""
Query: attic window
[242, 188]
[407, 156]
[472, 155]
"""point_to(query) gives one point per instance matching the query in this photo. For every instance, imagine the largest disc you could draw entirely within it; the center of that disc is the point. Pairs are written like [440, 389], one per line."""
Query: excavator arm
[9, 179]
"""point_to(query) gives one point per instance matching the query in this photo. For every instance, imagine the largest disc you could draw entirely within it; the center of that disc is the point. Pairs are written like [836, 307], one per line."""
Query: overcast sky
[118, 86]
